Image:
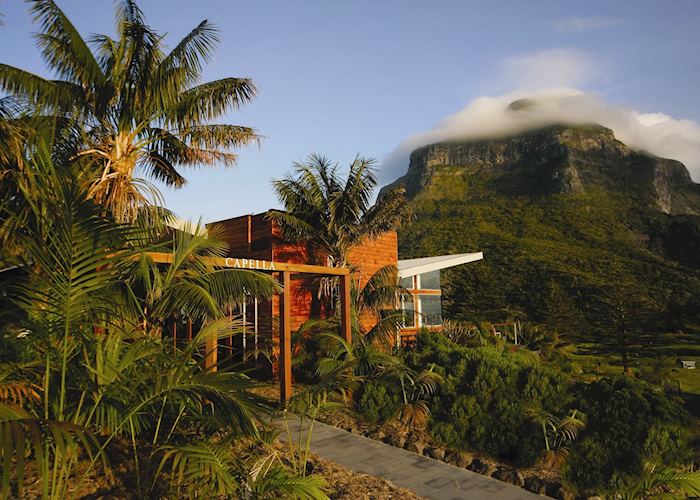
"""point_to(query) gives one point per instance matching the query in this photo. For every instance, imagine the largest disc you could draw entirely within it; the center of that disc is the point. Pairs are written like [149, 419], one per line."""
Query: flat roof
[412, 267]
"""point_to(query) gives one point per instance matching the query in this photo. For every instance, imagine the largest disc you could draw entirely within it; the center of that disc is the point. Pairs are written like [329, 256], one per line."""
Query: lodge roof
[412, 267]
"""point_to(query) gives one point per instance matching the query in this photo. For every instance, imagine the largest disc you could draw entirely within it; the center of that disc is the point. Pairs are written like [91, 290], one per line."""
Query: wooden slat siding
[235, 234]
[369, 258]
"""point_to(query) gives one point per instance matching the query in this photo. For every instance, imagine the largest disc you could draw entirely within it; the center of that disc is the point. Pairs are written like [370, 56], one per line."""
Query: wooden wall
[369, 258]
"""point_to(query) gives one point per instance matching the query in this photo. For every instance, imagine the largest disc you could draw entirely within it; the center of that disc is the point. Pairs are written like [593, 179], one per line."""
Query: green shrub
[629, 423]
[486, 396]
[377, 401]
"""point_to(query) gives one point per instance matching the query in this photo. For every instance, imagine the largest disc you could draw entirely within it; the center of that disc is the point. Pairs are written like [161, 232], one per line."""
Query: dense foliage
[629, 425]
[487, 396]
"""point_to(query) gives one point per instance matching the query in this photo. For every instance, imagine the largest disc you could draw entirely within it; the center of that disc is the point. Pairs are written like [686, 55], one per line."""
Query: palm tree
[558, 435]
[132, 105]
[331, 214]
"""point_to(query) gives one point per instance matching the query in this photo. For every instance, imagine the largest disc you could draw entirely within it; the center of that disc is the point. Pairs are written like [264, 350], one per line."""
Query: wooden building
[255, 237]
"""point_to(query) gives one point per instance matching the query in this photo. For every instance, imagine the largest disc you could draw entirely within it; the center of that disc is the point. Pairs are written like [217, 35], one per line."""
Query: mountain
[571, 222]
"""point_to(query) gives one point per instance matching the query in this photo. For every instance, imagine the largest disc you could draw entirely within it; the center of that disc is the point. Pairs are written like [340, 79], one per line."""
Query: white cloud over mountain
[491, 117]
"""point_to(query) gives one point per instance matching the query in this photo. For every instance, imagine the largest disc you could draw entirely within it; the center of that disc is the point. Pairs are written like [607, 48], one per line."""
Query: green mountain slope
[564, 215]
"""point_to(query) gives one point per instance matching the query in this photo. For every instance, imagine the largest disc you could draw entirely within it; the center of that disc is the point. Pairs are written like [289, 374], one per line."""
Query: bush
[486, 396]
[629, 423]
[377, 401]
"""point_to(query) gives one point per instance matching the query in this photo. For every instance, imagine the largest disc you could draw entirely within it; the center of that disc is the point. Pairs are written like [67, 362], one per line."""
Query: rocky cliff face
[558, 160]
[562, 211]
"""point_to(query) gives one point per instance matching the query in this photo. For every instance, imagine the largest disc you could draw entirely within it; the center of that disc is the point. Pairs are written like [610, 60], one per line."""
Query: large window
[407, 282]
[409, 317]
[430, 310]
[429, 281]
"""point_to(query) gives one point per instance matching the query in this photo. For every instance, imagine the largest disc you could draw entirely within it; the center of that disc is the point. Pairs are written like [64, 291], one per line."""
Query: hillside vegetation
[577, 231]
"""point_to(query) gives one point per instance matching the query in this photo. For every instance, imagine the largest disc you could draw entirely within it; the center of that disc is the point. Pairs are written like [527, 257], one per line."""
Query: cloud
[583, 24]
[492, 117]
[551, 68]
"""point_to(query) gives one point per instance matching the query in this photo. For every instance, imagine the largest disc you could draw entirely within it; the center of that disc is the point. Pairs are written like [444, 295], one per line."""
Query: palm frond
[26, 437]
[201, 468]
[194, 49]
[62, 47]
[269, 479]
[210, 100]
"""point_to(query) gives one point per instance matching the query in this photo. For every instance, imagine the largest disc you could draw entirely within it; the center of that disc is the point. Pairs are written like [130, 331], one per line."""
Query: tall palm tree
[331, 214]
[134, 105]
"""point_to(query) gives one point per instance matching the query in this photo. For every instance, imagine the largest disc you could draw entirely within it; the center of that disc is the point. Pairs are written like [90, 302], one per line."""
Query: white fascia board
[412, 267]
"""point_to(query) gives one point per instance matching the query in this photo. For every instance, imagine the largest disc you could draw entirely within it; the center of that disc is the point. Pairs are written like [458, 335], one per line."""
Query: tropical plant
[191, 285]
[100, 379]
[302, 411]
[363, 365]
[558, 435]
[268, 478]
[463, 333]
[416, 389]
[663, 483]
[331, 214]
[376, 303]
[132, 105]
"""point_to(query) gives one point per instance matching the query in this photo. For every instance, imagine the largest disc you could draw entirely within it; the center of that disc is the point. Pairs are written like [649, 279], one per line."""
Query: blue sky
[341, 78]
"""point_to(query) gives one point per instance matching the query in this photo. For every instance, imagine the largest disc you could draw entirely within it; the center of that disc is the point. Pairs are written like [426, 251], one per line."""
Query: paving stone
[439, 482]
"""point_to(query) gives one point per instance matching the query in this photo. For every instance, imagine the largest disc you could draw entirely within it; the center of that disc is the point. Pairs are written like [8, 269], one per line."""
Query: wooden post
[174, 334]
[189, 329]
[212, 355]
[345, 312]
[285, 371]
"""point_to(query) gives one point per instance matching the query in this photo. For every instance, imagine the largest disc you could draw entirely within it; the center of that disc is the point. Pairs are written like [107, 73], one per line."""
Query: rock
[594, 497]
[416, 447]
[480, 466]
[535, 485]
[436, 453]
[509, 476]
[396, 440]
[552, 488]
[377, 435]
[463, 459]
[459, 458]
[564, 494]
[356, 430]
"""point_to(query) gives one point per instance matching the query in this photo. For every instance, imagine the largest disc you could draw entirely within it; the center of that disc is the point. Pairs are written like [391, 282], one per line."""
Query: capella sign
[262, 265]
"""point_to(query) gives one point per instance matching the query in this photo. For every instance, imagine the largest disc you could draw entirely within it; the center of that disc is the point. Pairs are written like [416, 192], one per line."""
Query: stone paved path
[426, 477]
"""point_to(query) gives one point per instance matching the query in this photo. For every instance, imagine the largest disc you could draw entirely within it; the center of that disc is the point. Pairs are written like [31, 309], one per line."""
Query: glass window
[407, 282]
[430, 281]
[430, 310]
[409, 309]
